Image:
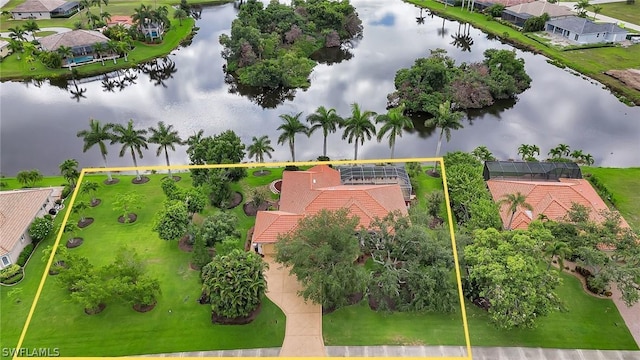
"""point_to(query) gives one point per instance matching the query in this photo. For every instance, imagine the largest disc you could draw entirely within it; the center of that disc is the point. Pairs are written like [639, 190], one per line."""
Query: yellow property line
[259, 165]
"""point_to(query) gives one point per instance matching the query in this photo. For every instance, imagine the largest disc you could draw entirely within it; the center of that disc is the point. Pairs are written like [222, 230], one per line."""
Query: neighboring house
[4, 48]
[518, 14]
[585, 31]
[18, 209]
[305, 193]
[151, 29]
[44, 9]
[81, 43]
[123, 20]
[550, 188]
[483, 4]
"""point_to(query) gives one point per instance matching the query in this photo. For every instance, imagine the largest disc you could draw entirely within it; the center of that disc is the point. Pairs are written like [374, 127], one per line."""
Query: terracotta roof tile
[18, 208]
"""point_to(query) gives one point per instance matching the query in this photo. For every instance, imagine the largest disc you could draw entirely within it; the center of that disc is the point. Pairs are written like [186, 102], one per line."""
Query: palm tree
[581, 7]
[16, 47]
[290, 128]
[328, 120]
[596, 10]
[90, 188]
[97, 135]
[17, 33]
[577, 155]
[588, 159]
[165, 137]
[358, 126]
[260, 147]
[131, 139]
[394, 122]
[482, 153]
[66, 53]
[564, 149]
[559, 248]
[555, 153]
[32, 26]
[69, 171]
[446, 120]
[99, 48]
[113, 47]
[515, 201]
[180, 14]
[528, 151]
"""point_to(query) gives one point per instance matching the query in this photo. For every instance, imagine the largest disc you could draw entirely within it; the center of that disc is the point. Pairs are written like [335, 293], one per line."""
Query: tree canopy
[270, 46]
[433, 80]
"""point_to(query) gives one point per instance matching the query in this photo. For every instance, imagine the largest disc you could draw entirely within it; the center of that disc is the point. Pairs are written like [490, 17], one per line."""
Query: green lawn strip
[589, 323]
[178, 323]
[14, 309]
[629, 13]
[591, 62]
[623, 184]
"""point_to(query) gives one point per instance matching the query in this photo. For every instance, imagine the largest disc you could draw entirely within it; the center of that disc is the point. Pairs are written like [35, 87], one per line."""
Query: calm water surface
[39, 122]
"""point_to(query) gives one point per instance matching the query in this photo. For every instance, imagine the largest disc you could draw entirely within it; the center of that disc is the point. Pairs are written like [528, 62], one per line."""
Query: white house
[18, 209]
[4, 48]
[585, 31]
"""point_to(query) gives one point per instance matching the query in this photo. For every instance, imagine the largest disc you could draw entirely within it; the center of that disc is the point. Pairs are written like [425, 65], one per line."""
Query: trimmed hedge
[14, 279]
[9, 272]
[602, 190]
[24, 255]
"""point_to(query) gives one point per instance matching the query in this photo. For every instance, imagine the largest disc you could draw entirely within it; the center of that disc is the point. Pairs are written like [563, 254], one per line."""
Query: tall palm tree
[358, 126]
[66, 53]
[588, 159]
[290, 128]
[32, 27]
[394, 122]
[446, 120]
[131, 139]
[97, 135]
[261, 146]
[555, 153]
[17, 33]
[528, 152]
[100, 48]
[69, 171]
[577, 156]
[165, 137]
[482, 153]
[328, 120]
[515, 201]
[559, 248]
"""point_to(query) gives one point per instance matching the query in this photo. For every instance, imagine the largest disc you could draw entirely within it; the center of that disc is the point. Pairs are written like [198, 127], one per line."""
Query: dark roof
[376, 175]
[531, 170]
[580, 25]
[67, 6]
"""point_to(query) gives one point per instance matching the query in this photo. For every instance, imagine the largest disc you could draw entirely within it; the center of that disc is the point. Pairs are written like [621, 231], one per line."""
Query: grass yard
[589, 323]
[591, 62]
[178, 323]
[624, 184]
[622, 11]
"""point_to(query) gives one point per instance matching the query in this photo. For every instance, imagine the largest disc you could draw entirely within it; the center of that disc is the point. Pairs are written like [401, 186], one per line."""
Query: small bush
[14, 279]
[24, 255]
[495, 10]
[291, 168]
[66, 191]
[9, 272]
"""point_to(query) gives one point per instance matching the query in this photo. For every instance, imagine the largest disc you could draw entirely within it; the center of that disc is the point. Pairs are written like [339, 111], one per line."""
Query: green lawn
[178, 323]
[591, 62]
[624, 184]
[621, 11]
[589, 323]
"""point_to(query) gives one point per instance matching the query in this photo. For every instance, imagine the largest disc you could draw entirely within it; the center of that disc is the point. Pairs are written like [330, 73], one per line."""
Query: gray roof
[580, 25]
[38, 6]
[75, 38]
[537, 8]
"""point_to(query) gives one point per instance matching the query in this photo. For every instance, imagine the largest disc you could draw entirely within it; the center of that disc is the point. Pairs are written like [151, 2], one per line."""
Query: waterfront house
[584, 31]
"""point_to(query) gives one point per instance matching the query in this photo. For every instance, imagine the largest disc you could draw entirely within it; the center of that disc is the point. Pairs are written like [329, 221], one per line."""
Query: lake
[39, 121]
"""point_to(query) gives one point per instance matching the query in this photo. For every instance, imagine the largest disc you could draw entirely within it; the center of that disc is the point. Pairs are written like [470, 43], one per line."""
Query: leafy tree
[358, 126]
[535, 23]
[132, 139]
[90, 188]
[143, 292]
[507, 76]
[394, 122]
[514, 202]
[484, 214]
[194, 200]
[171, 190]
[235, 283]
[171, 222]
[505, 267]
[218, 227]
[39, 229]
[327, 120]
[290, 128]
[259, 148]
[166, 138]
[90, 292]
[69, 170]
[126, 203]
[321, 253]
[224, 148]
[97, 134]
[259, 196]
[446, 120]
[180, 14]
[76, 268]
[28, 178]
[200, 256]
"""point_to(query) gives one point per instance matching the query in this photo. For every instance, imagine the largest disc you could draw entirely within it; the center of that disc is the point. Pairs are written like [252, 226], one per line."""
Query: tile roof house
[4, 48]
[585, 31]
[307, 192]
[551, 198]
[123, 20]
[43, 9]
[518, 14]
[81, 43]
[483, 4]
[18, 209]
